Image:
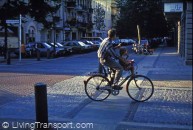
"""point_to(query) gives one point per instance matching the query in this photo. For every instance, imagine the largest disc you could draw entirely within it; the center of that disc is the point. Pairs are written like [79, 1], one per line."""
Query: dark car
[59, 50]
[68, 49]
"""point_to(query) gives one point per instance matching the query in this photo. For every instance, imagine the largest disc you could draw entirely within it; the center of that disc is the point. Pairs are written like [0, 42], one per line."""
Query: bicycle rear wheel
[96, 87]
[140, 88]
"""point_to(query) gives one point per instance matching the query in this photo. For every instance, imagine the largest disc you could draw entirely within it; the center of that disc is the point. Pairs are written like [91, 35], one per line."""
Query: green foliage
[99, 16]
[147, 14]
[11, 10]
[37, 9]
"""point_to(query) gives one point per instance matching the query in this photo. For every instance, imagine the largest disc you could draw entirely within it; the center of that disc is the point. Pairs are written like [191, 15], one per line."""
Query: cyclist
[108, 56]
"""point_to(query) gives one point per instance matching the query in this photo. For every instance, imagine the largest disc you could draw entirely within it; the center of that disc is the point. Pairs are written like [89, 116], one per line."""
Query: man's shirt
[106, 49]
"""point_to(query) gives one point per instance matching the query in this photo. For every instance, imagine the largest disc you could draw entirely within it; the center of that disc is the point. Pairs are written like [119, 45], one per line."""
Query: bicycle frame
[124, 80]
[113, 77]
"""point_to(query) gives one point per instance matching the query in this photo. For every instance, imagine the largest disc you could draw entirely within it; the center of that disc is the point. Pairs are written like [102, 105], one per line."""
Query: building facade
[73, 20]
[180, 12]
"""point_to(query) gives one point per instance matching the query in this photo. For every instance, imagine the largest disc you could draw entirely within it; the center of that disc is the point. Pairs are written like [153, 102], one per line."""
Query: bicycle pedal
[115, 92]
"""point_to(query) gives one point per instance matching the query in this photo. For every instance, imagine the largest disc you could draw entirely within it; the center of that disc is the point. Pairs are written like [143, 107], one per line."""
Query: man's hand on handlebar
[119, 45]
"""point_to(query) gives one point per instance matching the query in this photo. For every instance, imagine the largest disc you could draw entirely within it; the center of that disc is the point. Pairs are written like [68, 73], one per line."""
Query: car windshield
[60, 45]
[47, 45]
[86, 42]
[53, 44]
[92, 38]
[81, 43]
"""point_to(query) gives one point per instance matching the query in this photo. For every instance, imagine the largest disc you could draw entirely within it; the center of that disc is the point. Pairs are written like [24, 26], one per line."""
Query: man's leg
[100, 69]
[119, 69]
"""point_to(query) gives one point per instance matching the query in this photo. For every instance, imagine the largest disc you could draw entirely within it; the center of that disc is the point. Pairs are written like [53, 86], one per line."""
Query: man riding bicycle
[108, 56]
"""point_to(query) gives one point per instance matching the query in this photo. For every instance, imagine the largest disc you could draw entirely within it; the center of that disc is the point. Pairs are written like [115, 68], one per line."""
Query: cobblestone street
[170, 106]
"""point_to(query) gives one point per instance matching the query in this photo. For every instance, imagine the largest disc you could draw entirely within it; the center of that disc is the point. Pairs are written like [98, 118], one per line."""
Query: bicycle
[98, 87]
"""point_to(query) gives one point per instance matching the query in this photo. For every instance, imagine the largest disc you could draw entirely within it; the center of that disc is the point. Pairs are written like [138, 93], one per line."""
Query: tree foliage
[37, 9]
[147, 14]
[11, 10]
[99, 16]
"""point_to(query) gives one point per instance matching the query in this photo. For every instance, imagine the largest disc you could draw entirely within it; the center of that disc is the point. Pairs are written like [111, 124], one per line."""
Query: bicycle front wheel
[96, 87]
[140, 88]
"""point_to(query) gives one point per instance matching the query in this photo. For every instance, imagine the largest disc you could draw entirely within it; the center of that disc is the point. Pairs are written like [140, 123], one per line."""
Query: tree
[99, 16]
[147, 14]
[11, 10]
[37, 9]
[40, 10]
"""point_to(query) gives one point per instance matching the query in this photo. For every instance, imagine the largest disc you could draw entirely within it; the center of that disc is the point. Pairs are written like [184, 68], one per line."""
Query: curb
[150, 126]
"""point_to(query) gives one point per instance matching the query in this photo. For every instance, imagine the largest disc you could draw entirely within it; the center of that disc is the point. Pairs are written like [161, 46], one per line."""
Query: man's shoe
[116, 87]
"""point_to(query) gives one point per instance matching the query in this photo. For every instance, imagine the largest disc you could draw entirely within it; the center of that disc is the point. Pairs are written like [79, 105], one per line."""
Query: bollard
[38, 54]
[8, 57]
[48, 53]
[41, 104]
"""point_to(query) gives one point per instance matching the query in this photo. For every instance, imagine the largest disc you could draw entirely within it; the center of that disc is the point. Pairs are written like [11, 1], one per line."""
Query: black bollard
[38, 54]
[48, 53]
[8, 57]
[41, 104]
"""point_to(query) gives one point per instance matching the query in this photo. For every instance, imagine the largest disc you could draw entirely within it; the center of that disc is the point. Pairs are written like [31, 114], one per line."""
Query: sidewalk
[169, 108]
[171, 105]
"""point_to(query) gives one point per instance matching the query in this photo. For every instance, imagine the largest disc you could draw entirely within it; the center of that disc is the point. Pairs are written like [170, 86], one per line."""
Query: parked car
[127, 41]
[76, 48]
[67, 48]
[95, 40]
[97, 43]
[32, 47]
[60, 49]
[144, 42]
[90, 43]
[87, 47]
[43, 47]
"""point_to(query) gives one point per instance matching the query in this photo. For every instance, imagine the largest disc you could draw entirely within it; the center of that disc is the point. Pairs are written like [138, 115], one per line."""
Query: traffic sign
[12, 21]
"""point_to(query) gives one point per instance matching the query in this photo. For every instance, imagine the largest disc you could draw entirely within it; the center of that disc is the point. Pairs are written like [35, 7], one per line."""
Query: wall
[186, 34]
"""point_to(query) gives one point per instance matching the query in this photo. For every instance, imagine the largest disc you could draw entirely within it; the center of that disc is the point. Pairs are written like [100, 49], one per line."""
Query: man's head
[111, 34]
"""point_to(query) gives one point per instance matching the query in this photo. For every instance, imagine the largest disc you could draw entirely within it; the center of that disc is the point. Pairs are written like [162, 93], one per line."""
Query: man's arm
[118, 46]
